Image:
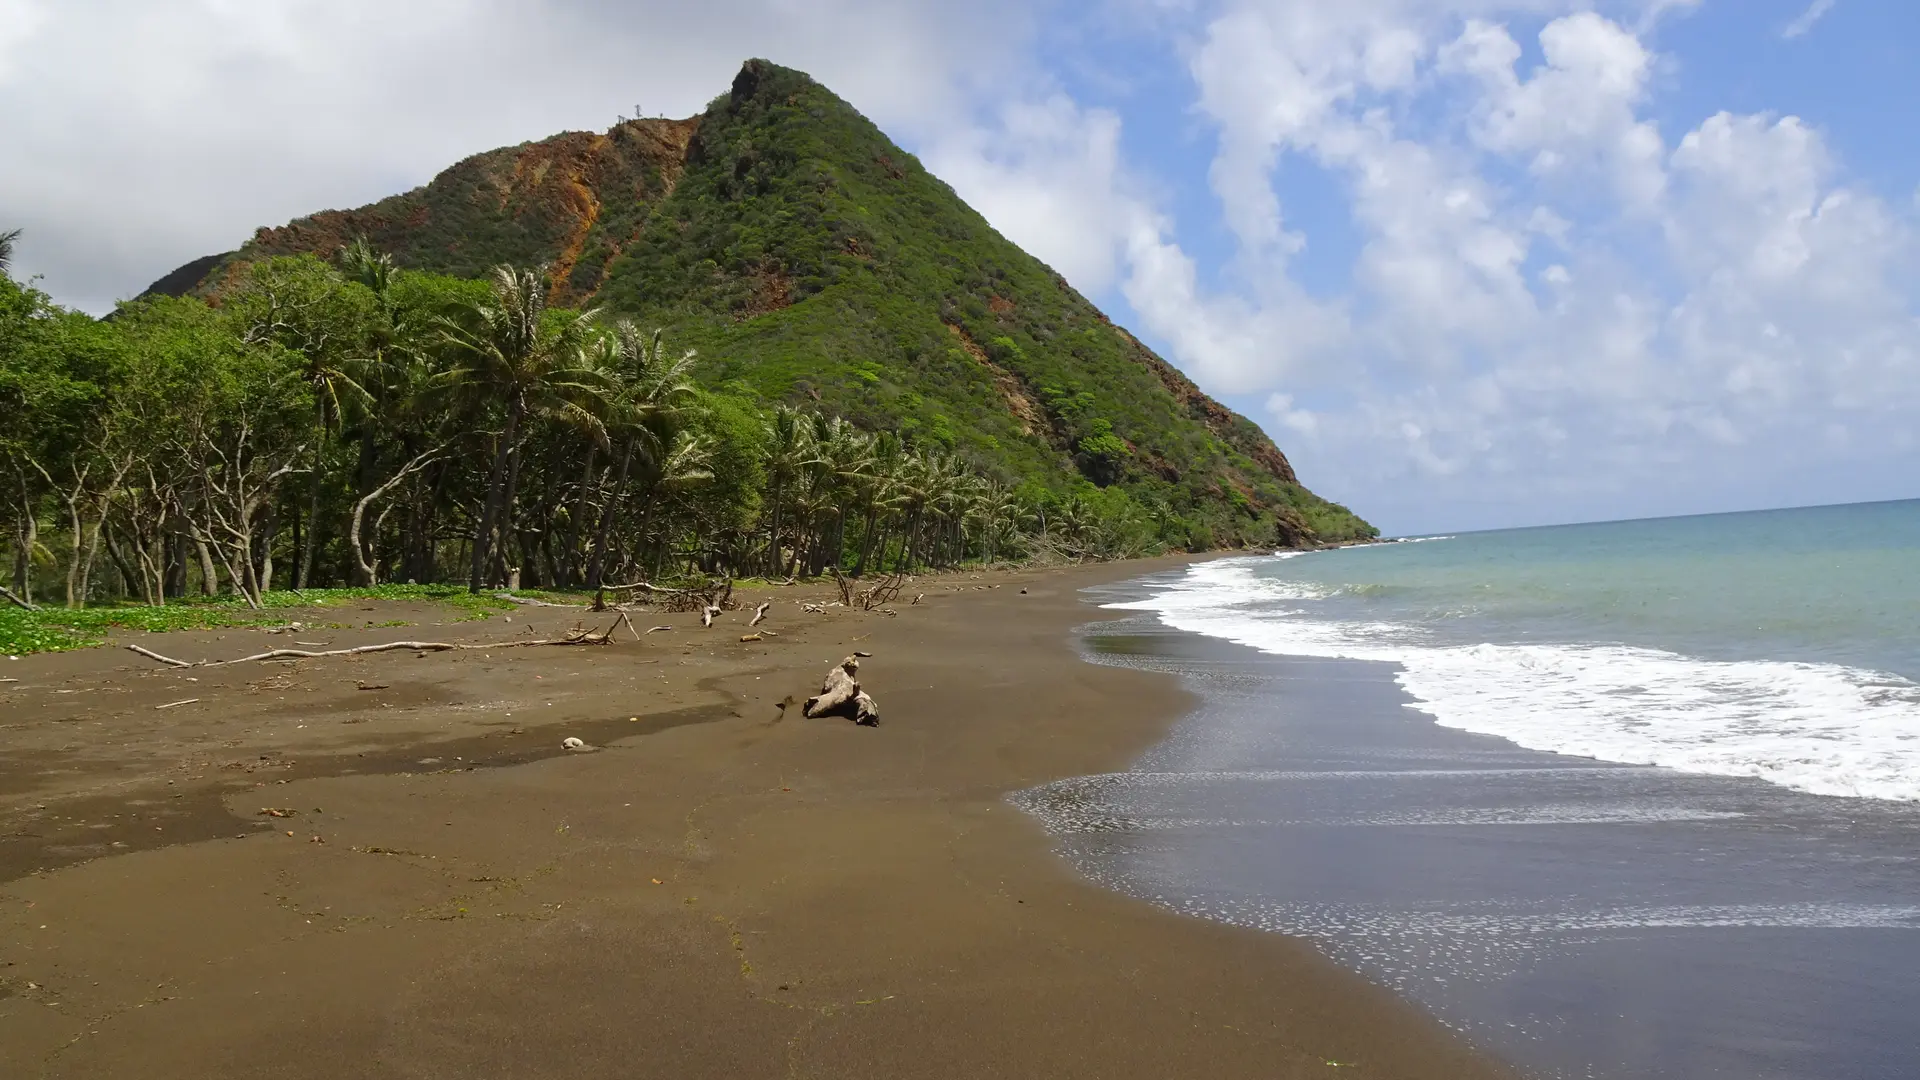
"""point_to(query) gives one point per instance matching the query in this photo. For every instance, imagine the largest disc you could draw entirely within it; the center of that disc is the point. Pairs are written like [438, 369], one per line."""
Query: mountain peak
[808, 257]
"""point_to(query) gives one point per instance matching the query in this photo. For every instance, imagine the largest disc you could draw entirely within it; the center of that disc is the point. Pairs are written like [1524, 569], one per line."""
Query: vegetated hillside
[805, 255]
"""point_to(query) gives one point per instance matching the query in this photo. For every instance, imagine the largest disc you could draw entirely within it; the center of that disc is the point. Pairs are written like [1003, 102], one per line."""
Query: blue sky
[1473, 263]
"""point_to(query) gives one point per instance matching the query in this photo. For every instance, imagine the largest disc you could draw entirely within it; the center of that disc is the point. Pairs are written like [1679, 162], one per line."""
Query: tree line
[347, 422]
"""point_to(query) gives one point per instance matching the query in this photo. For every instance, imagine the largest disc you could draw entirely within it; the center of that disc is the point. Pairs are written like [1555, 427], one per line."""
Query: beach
[386, 865]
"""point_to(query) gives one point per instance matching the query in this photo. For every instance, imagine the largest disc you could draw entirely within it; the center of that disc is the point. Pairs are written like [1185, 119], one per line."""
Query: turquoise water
[1783, 645]
[1834, 584]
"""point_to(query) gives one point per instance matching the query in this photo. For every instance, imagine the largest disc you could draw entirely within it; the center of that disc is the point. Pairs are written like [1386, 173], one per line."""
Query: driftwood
[880, 592]
[714, 594]
[759, 613]
[840, 695]
[576, 636]
[528, 601]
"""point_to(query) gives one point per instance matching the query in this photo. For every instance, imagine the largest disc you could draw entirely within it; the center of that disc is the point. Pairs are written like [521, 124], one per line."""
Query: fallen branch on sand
[716, 594]
[840, 695]
[529, 601]
[880, 592]
[759, 613]
[576, 636]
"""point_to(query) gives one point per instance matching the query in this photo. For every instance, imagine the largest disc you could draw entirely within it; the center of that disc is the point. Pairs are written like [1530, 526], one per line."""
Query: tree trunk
[596, 563]
[496, 486]
[773, 532]
[268, 529]
[209, 577]
[866, 541]
[173, 574]
[570, 553]
[305, 573]
[128, 579]
[509, 546]
[911, 542]
[26, 538]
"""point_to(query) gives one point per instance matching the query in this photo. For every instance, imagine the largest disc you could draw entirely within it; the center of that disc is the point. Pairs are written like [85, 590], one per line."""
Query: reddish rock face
[544, 202]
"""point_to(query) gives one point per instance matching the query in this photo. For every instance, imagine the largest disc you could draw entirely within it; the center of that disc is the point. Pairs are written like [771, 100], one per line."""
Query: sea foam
[1825, 729]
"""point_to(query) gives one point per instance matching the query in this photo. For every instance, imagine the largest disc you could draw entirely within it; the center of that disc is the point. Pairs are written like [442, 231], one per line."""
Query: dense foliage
[809, 261]
[352, 423]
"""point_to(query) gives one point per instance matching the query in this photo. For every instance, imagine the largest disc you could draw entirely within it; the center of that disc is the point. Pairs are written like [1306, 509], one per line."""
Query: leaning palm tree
[512, 350]
[6, 249]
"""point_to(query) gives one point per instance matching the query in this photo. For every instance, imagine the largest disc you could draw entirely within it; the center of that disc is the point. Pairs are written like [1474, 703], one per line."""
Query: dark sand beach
[715, 891]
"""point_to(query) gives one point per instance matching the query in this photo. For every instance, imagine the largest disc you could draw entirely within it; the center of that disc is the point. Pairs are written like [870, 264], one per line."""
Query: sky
[1472, 263]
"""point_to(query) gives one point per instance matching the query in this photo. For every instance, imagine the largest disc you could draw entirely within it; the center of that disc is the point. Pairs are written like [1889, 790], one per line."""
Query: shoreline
[1572, 915]
[831, 901]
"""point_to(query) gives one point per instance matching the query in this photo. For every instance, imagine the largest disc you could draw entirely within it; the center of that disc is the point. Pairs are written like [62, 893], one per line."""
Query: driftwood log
[576, 636]
[840, 695]
[880, 592]
[714, 594]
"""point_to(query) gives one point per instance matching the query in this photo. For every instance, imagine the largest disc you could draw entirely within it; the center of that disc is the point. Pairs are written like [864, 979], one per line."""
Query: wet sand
[1578, 917]
[718, 890]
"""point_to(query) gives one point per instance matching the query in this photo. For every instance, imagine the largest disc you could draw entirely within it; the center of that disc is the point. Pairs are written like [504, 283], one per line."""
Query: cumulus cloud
[1622, 322]
[1576, 114]
[1048, 173]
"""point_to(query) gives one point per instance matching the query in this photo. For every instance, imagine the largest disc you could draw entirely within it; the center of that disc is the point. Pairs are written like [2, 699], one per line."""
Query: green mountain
[806, 256]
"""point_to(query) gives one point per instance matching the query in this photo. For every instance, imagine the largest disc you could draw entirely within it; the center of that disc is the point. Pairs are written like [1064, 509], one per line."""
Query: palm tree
[510, 349]
[1075, 521]
[684, 466]
[847, 455]
[790, 450]
[647, 392]
[875, 490]
[6, 250]
[374, 269]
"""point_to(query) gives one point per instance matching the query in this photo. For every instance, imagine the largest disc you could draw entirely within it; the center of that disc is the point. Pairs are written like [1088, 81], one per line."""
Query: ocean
[1623, 800]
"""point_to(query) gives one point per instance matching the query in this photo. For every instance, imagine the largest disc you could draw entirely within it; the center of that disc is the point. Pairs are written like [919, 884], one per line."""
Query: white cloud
[19, 21]
[1228, 342]
[1615, 323]
[1814, 13]
[1576, 113]
[1048, 174]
